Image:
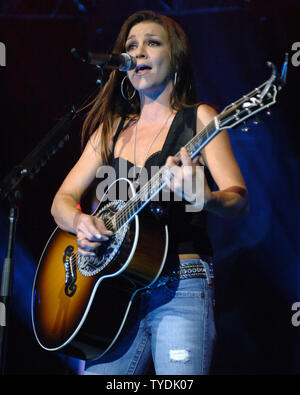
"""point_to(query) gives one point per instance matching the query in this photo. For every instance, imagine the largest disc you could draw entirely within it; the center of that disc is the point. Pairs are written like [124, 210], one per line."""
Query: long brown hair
[109, 103]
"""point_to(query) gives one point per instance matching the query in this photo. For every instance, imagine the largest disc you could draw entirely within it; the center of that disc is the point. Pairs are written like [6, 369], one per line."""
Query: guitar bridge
[69, 260]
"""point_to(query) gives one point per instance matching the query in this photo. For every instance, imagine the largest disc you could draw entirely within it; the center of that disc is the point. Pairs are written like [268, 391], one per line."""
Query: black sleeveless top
[187, 230]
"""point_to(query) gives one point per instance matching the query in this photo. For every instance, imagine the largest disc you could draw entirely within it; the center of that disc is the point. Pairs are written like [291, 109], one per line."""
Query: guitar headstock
[260, 99]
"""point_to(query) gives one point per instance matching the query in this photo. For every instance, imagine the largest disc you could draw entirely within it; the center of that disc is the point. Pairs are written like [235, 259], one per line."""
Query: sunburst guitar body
[80, 305]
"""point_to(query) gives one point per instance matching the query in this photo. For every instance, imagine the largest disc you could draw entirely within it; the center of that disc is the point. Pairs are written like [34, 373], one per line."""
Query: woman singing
[131, 119]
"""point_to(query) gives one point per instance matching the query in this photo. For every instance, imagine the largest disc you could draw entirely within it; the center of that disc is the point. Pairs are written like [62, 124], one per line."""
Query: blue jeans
[175, 327]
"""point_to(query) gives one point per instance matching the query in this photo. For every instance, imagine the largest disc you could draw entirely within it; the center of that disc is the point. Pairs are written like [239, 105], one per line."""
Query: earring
[175, 78]
[122, 90]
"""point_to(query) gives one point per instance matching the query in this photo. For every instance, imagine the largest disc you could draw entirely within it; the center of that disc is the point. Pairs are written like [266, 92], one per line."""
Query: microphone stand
[10, 189]
[7, 273]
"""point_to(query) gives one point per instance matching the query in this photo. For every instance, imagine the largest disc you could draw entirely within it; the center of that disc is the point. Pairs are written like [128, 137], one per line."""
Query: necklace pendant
[136, 185]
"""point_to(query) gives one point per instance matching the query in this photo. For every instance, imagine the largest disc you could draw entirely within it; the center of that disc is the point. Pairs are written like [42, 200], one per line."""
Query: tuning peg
[245, 128]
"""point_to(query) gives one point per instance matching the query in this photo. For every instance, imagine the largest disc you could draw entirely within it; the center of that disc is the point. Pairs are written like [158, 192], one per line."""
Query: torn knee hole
[179, 355]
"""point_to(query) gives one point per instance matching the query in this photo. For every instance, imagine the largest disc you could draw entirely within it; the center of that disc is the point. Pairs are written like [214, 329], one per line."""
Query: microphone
[123, 61]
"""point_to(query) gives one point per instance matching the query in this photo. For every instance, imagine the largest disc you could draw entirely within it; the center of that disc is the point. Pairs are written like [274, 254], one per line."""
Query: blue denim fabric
[175, 327]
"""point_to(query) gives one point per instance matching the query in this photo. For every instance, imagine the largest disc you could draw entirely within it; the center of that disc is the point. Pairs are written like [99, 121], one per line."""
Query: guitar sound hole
[107, 251]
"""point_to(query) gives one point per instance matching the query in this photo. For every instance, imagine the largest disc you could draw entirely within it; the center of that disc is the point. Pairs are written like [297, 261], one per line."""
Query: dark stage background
[256, 256]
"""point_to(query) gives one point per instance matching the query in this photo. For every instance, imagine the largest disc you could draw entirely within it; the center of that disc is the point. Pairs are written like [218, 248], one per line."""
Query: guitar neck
[201, 139]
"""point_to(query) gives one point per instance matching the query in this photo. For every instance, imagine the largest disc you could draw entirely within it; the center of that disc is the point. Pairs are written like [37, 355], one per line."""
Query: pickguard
[92, 265]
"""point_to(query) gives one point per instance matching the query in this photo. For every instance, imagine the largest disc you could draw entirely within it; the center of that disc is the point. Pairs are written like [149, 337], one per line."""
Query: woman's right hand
[91, 232]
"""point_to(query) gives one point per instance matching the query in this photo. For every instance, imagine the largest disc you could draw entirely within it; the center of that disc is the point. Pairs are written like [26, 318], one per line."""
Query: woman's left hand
[188, 181]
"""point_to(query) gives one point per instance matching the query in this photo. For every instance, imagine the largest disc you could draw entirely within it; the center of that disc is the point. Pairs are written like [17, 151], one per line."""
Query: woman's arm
[90, 230]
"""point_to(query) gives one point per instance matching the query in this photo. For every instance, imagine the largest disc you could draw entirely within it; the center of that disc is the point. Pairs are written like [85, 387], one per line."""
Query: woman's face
[148, 43]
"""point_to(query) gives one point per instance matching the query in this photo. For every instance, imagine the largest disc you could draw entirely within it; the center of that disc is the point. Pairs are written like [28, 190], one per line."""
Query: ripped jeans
[175, 328]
